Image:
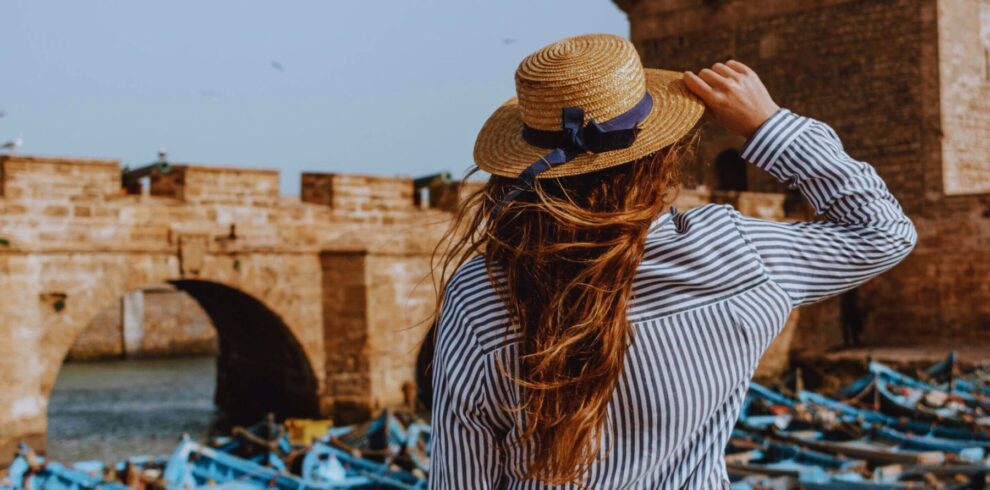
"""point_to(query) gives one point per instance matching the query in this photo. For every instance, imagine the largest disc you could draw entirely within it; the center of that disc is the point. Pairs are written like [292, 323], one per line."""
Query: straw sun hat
[583, 104]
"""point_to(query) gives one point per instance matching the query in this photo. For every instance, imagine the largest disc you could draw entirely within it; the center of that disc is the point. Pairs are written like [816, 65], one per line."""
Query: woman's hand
[734, 94]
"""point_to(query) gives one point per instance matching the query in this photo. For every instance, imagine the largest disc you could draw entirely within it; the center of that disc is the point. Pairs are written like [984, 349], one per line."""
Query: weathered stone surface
[73, 243]
[171, 323]
[964, 48]
[906, 85]
[102, 338]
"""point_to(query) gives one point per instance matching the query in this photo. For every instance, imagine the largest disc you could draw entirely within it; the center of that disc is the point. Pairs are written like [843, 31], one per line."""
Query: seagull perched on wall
[12, 145]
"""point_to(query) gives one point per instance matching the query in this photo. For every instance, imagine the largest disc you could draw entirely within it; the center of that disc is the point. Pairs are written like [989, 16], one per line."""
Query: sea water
[112, 409]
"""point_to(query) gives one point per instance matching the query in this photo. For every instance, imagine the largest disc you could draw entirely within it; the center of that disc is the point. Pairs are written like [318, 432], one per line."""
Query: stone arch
[58, 294]
[261, 366]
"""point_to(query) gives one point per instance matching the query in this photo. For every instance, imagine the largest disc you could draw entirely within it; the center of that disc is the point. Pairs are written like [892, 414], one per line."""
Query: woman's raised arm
[865, 233]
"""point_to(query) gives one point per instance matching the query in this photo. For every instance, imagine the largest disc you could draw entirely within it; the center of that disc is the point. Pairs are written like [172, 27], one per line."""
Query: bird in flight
[278, 66]
[12, 145]
[509, 40]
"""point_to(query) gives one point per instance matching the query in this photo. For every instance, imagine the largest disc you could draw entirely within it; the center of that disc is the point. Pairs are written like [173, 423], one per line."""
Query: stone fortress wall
[73, 242]
[906, 85]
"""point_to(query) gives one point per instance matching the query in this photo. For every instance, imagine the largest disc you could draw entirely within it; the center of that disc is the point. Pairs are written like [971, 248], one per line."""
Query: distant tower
[906, 84]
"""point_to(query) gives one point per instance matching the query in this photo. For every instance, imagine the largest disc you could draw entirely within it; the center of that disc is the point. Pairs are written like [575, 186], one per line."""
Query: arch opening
[730, 171]
[261, 367]
[135, 401]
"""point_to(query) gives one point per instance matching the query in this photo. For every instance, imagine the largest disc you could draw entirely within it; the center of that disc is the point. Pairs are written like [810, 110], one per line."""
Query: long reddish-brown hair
[569, 251]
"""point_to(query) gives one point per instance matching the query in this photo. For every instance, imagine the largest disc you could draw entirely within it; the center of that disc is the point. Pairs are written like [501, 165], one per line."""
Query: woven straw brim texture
[501, 150]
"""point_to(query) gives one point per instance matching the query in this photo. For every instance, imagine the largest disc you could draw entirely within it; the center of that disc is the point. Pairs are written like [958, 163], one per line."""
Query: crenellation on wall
[57, 178]
[202, 184]
[361, 198]
[445, 196]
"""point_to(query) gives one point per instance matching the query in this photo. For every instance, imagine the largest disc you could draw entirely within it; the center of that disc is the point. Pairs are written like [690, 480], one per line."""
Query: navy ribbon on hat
[575, 139]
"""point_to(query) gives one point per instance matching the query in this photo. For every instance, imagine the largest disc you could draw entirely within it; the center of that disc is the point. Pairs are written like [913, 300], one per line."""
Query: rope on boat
[271, 444]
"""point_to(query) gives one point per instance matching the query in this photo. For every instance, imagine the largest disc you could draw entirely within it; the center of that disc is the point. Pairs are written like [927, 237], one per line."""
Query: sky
[384, 87]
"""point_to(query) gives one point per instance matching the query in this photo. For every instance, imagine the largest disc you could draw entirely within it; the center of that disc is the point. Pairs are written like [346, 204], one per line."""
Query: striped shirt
[713, 290]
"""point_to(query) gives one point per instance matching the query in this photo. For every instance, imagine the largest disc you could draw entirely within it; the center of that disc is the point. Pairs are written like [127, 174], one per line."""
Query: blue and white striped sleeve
[465, 453]
[865, 232]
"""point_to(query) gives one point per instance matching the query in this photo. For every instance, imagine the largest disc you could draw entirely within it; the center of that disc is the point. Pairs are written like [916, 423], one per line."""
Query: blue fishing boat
[751, 453]
[194, 466]
[265, 443]
[389, 438]
[833, 435]
[898, 394]
[855, 481]
[31, 472]
[976, 400]
[913, 434]
[947, 376]
[140, 471]
[325, 463]
[385, 452]
[757, 462]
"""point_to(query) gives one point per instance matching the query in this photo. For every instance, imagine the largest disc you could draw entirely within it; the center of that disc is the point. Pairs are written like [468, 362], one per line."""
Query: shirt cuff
[772, 138]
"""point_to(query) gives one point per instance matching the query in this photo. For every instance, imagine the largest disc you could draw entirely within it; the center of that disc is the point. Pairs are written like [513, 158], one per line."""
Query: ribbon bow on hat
[575, 139]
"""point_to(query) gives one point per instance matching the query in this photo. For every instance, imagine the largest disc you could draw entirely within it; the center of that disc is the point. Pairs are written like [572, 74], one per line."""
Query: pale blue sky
[386, 87]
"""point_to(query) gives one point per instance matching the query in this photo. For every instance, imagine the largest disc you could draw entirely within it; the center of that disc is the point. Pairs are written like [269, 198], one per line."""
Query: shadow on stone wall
[261, 367]
[153, 322]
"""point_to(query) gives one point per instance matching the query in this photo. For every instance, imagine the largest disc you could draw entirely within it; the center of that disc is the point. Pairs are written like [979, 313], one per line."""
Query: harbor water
[112, 409]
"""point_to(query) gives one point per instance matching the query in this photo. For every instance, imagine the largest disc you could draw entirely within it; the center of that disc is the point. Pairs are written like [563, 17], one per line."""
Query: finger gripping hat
[583, 104]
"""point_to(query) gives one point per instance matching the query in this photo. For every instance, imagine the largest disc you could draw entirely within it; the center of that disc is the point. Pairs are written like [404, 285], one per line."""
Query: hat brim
[501, 150]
